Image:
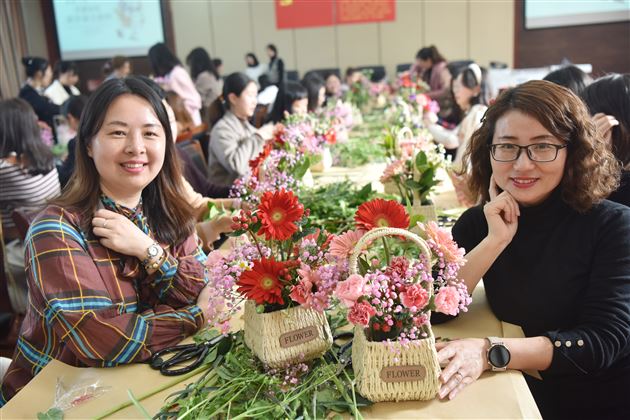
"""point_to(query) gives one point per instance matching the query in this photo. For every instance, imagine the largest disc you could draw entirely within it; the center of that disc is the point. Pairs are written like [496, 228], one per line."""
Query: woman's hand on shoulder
[463, 362]
[502, 215]
[119, 234]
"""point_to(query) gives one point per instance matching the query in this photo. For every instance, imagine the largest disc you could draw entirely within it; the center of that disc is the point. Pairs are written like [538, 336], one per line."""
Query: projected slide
[549, 14]
[102, 29]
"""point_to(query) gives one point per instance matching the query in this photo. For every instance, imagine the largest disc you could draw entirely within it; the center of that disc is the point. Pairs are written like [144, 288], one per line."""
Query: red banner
[292, 14]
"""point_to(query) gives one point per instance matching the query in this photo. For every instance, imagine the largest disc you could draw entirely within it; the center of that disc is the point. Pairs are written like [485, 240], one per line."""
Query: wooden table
[502, 395]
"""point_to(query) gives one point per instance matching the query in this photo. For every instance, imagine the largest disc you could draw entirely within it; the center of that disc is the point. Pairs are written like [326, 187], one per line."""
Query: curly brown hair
[591, 171]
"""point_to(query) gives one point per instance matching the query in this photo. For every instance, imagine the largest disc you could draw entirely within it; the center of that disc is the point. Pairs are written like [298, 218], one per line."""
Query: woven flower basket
[390, 371]
[428, 211]
[325, 163]
[288, 336]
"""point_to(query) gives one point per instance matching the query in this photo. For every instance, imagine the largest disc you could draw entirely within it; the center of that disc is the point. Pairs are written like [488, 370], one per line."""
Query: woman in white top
[468, 90]
[63, 87]
[254, 69]
[205, 75]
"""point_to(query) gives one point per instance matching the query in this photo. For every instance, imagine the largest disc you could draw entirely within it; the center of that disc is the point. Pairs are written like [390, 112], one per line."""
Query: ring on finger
[105, 224]
[460, 377]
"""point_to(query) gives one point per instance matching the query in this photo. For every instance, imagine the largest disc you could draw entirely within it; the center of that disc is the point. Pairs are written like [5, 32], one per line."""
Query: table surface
[495, 395]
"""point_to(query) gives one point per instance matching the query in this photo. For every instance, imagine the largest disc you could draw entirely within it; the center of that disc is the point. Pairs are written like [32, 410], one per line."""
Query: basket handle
[404, 132]
[381, 233]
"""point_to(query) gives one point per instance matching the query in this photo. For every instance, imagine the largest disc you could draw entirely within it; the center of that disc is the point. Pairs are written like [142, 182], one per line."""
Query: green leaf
[415, 218]
[300, 170]
[414, 185]
[364, 267]
[421, 159]
[52, 414]
[137, 404]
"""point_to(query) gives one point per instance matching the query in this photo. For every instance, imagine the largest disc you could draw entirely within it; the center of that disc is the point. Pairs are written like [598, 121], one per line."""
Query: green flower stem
[387, 256]
[146, 395]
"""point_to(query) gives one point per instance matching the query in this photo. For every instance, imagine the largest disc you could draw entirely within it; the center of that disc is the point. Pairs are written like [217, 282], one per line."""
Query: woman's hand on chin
[119, 234]
[502, 213]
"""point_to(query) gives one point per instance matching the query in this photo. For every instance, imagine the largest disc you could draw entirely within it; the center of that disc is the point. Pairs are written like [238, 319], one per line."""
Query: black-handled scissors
[186, 353]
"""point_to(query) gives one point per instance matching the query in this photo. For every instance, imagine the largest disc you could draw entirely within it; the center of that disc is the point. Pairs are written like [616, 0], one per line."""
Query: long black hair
[162, 59]
[430, 53]
[288, 93]
[471, 78]
[611, 95]
[34, 64]
[254, 58]
[235, 83]
[571, 77]
[62, 67]
[199, 61]
[313, 83]
[20, 133]
[171, 219]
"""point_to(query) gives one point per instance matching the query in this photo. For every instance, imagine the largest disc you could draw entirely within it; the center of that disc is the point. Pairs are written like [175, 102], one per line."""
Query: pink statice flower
[361, 313]
[343, 245]
[350, 290]
[447, 300]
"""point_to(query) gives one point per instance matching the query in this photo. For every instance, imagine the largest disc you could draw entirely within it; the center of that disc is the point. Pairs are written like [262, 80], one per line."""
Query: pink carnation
[415, 296]
[444, 242]
[303, 291]
[393, 169]
[350, 290]
[360, 313]
[343, 245]
[447, 300]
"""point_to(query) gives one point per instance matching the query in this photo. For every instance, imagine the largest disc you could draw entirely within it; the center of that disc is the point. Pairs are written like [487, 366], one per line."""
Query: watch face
[153, 250]
[499, 356]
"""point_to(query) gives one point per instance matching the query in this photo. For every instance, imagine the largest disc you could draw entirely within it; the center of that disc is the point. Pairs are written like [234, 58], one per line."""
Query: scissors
[186, 353]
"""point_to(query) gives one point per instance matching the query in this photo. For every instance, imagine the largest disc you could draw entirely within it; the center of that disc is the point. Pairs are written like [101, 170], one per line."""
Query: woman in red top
[114, 268]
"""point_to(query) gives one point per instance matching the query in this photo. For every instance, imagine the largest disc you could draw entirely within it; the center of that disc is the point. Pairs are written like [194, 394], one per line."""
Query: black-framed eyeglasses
[538, 152]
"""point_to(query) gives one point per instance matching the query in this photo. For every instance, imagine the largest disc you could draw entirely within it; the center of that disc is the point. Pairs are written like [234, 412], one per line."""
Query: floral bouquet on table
[341, 117]
[390, 304]
[286, 278]
[412, 171]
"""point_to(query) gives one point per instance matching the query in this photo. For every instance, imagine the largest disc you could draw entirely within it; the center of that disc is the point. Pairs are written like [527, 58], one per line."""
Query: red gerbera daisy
[278, 211]
[262, 283]
[381, 213]
[255, 163]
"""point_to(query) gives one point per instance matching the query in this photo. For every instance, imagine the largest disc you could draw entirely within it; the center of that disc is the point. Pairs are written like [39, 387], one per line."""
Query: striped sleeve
[78, 302]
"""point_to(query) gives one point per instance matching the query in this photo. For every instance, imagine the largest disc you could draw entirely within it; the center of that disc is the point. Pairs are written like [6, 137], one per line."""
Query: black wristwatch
[498, 355]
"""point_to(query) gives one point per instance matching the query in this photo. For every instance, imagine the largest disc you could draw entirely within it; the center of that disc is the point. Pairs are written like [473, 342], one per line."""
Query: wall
[34, 25]
[606, 46]
[482, 30]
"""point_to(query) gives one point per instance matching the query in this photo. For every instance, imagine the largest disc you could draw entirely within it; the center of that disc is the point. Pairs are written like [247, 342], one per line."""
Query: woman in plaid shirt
[114, 268]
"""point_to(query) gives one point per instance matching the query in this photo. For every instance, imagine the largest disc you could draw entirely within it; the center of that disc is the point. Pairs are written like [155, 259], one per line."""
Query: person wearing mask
[64, 85]
[254, 69]
[431, 67]
[275, 71]
[117, 68]
[233, 140]
[172, 76]
[205, 75]
[133, 246]
[71, 110]
[608, 100]
[28, 179]
[292, 99]
[39, 77]
[554, 255]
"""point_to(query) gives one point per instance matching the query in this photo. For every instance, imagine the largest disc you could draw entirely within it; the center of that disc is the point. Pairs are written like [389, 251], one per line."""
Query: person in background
[316, 91]
[275, 71]
[71, 110]
[333, 87]
[254, 69]
[28, 179]
[571, 77]
[469, 92]
[172, 76]
[206, 77]
[554, 255]
[608, 100]
[431, 67]
[64, 84]
[233, 140]
[182, 117]
[117, 68]
[218, 65]
[39, 77]
[292, 99]
[132, 241]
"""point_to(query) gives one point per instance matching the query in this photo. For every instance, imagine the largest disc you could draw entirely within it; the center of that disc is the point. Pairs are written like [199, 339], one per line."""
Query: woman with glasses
[553, 253]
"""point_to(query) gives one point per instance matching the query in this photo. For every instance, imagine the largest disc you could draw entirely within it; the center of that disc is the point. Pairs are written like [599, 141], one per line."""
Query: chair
[378, 72]
[455, 67]
[323, 73]
[293, 75]
[401, 68]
